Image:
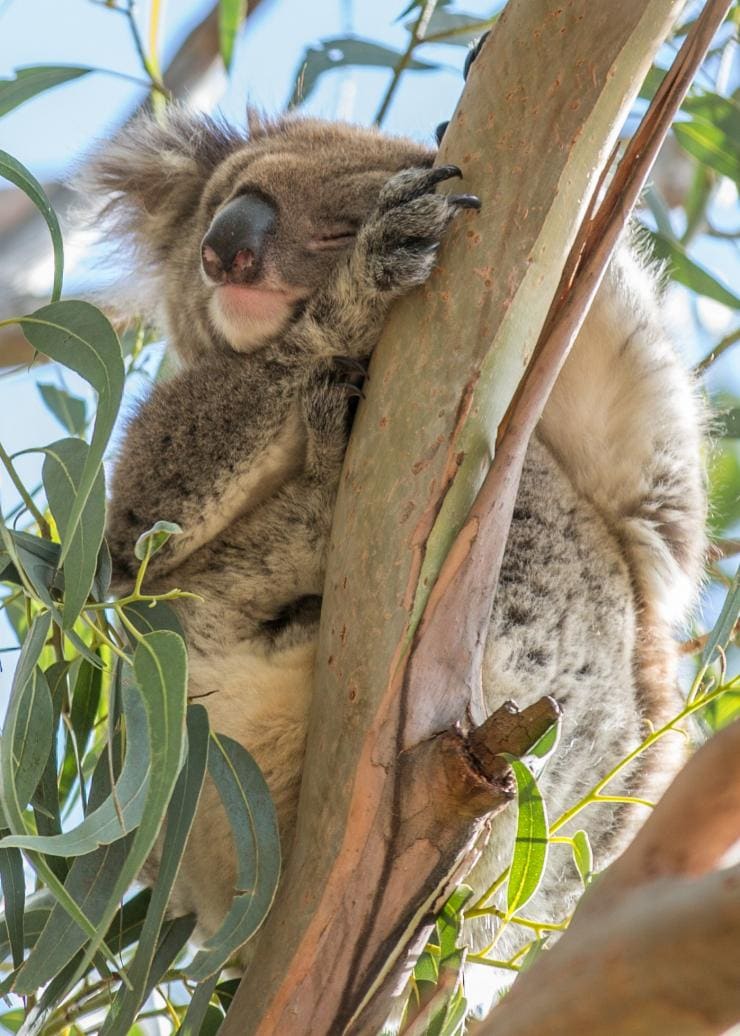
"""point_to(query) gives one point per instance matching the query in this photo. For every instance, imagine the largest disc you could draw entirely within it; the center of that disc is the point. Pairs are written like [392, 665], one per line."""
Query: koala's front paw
[399, 242]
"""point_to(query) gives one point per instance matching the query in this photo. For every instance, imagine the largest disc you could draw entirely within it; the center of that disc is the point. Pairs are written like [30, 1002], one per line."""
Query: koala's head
[234, 231]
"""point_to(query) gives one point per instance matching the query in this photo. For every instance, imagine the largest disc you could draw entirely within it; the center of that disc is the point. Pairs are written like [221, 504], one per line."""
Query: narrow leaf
[583, 856]
[11, 169]
[691, 274]
[14, 897]
[345, 52]
[251, 813]
[35, 79]
[710, 145]
[80, 337]
[531, 845]
[231, 14]
[62, 473]
[180, 816]
[69, 410]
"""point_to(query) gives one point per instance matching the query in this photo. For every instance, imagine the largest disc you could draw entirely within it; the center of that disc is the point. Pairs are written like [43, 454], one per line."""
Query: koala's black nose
[233, 249]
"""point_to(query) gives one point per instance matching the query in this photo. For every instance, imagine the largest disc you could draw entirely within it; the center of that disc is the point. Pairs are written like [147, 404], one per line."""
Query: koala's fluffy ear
[154, 172]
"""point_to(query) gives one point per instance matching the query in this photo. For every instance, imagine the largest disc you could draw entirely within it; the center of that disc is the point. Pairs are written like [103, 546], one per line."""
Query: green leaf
[690, 274]
[231, 14]
[10, 794]
[453, 27]
[37, 909]
[146, 619]
[14, 897]
[725, 624]
[724, 479]
[155, 538]
[35, 79]
[69, 410]
[583, 856]
[542, 751]
[11, 169]
[192, 1023]
[180, 816]
[710, 145]
[531, 845]
[251, 813]
[80, 337]
[62, 473]
[345, 52]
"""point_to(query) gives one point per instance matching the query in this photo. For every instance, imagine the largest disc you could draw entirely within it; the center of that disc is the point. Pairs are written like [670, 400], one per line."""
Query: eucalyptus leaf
[689, 273]
[69, 410]
[345, 52]
[81, 338]
[35, 79]
[251, 813]
[231, 15]
[180, 816]
[583, 856]
[155, 538]
[531, 845]
[27, 675]
[11, 169]
[14, 898]
[192, 1023]
[725, 623]
[711, 146]
[62, 474]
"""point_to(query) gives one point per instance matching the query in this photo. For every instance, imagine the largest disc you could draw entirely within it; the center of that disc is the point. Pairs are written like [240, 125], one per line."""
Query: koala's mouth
[246, 315]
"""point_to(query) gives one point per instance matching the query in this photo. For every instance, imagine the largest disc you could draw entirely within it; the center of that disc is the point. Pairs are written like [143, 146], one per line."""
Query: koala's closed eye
[338, 235]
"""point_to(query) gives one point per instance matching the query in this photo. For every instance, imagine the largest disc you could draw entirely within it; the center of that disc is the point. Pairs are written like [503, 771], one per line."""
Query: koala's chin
[247, 316]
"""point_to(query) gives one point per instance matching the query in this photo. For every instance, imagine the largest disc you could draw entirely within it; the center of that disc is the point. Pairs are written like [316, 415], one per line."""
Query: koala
[270, 259]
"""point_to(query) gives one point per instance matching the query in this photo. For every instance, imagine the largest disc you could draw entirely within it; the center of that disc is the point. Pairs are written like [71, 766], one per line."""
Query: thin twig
[721, 347]
[414, 39]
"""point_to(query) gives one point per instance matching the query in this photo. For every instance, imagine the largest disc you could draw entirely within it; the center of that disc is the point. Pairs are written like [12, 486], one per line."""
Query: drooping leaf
[11, 169]
[710, 145]
[689, 273]
[35, 79]
[180, 816]
[37, 909]
[62, 474]
[192, 1023]
[147, 619]
[80, 337]
[345, 52]
[69, 410]
[725, 623]
[251, 813]
[14, 899]
[231, 14]
[531, 845]
[25, 684]
[453, 27]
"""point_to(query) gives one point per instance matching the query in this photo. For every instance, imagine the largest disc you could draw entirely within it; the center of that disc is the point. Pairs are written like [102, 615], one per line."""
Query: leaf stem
[28, 500]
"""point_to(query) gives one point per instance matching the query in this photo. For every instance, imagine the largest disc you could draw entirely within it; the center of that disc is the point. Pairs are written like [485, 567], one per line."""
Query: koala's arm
[205, 447]
[395, 251]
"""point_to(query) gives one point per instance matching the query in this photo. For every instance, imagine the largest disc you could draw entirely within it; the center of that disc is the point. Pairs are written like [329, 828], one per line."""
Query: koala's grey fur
[243, 448]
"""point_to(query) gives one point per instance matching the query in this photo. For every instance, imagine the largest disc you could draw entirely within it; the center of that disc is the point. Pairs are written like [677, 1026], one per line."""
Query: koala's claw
[399, 243]
[464, 201]
[351, 364]
[444, 172]
[350, 389]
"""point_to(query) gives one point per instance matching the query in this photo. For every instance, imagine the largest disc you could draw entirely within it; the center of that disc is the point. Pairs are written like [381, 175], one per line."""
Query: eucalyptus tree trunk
[394, 798]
